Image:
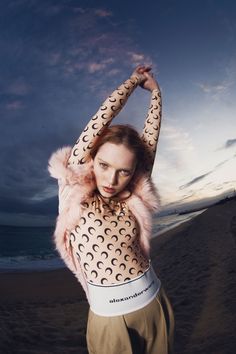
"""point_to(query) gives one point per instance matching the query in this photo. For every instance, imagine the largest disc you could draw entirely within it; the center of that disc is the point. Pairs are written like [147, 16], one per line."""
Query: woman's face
[114, 166]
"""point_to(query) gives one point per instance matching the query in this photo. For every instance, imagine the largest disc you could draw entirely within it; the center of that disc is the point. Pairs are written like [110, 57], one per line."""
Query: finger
[148, 68]
[141, 69]
[148, 75]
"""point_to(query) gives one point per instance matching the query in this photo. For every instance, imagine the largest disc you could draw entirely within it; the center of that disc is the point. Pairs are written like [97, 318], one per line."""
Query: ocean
[32, 248]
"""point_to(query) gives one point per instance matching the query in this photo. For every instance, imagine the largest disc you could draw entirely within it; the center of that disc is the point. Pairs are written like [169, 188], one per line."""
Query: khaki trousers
[149, 330]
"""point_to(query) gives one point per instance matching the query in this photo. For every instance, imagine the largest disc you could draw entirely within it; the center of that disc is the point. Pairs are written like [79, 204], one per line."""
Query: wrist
[137, 77]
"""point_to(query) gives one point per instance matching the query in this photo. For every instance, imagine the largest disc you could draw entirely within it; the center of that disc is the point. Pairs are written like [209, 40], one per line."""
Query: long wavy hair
[128, 136]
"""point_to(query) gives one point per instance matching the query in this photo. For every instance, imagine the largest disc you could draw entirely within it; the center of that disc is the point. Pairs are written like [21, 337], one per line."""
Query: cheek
[126, 181]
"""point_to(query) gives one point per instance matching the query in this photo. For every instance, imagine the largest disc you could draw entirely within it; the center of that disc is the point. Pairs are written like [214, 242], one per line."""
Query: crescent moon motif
[134, 260]
[98, 221]
[121, 93]
[104, 116]
[134, 230]
[114, 222]
[118, 276]
[132, 271]
[128, 236]
[123, 244]
[95, 248]
[122, 265]
[90, 145]
[77, 228]
[110, 246]
[107, 230]
[114, 261]
[90, 255]
[85, 138]
[86, 237]
[105, 254]
[118, 251]
[76, 152]
[113, 108]
[128, 222]
[105, 217]
[72, 236]
[95, 126]
[108, 270]
[95, 273]
[83, 220]
[140, 272]
[86, 266]
[90, 230]
[80, 246]
[90, 214]
[103, 280]
[126, 279]
[130, 248]
[95, 117]
[82, 161]
[115, 237]
[100, 237]
[126, 257]
[103, 108]
[99, 264]
[111, 99]
[122, 230]
[120, 217]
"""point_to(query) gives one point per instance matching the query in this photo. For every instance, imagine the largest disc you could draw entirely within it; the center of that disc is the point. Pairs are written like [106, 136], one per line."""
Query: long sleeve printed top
[108, 238]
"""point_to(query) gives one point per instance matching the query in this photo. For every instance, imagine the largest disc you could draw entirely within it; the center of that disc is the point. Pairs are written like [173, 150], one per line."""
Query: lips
[109, 190]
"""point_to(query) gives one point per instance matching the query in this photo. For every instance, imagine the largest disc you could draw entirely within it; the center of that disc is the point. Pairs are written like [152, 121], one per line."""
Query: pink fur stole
[76, 184]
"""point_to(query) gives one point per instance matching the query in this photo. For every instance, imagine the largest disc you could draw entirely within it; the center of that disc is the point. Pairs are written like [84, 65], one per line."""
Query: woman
[103, 228]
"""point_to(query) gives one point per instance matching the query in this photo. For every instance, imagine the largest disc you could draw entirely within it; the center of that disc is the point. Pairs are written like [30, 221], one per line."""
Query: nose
[112, 179]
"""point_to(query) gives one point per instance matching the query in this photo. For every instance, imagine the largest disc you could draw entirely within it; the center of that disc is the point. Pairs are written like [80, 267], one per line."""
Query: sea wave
[30, 263]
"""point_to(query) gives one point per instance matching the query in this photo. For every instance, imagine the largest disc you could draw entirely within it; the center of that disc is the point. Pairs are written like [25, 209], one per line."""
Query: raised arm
[152, 124]
[109, 109]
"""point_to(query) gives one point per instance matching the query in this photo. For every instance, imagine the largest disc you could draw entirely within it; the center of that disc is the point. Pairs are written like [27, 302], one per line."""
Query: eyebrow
[120, 169]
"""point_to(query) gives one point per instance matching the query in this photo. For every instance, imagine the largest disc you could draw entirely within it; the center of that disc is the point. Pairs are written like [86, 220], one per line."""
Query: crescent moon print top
[106, 238]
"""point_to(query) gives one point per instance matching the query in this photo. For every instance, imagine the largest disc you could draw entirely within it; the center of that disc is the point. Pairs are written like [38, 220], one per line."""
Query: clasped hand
[148, 81]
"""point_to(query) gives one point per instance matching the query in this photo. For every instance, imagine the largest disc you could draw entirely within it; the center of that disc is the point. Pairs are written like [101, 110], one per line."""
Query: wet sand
[46, 312]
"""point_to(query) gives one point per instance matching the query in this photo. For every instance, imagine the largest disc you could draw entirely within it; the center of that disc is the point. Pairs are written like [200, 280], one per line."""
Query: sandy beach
[46, 312]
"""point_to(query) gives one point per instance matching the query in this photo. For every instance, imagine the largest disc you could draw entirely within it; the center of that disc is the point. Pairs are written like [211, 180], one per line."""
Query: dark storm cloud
[55, 56]
[12, 205]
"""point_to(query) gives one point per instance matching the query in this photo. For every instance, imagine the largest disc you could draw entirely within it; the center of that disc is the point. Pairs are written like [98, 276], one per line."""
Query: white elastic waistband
[122, 298]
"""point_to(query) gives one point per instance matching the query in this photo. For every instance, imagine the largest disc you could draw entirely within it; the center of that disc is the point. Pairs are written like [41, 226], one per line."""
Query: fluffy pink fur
[76, 184]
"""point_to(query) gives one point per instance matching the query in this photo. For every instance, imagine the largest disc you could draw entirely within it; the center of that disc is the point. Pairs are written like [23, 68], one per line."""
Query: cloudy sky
[60, 59]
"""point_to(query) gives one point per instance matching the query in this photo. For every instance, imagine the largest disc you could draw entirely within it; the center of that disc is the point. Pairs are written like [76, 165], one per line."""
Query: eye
[125, 173]
[103, 165]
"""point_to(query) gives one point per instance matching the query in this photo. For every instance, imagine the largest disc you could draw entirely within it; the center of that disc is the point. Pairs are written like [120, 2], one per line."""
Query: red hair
[127, 135]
